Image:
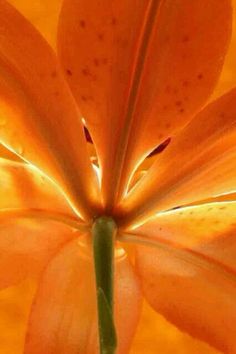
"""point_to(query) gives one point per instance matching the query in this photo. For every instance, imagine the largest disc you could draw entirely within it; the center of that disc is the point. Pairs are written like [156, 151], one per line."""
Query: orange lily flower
[138, 75]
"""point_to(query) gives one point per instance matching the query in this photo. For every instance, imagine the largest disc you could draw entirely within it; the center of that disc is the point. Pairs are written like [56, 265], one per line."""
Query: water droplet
[119, 252]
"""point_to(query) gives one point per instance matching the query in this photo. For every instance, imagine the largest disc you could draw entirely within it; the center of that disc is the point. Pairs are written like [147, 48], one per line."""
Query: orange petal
[143, 71]
[155, 334]
[192, 293]
[26, 246]
[38, 117]
[220, 198]
[63, 317]
[14, 310]
[42, 14]
[197, 164]
[208, 228]
[227, 80]
[23, 187]
[7, 154]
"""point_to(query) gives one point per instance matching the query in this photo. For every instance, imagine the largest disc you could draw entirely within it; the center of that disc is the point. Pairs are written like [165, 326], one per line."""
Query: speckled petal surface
[39, 119]
[139, 71]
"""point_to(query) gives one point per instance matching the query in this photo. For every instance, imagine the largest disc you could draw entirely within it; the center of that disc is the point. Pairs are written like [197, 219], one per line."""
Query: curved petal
[219, 198]
[7, 154]
[27, 245]
[190, 292]
[156, 334]
[143, 71]
[63, 317]
[197, 164]
[42, 14]
[14, 310]
[227, 80]
[208, 228]
[38, 117]
[23, 187]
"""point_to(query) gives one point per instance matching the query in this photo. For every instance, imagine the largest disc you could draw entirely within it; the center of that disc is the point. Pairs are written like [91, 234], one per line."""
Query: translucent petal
[198, 164]
[208, 228]
[27, 242]
[155, 333]
[24, 187]
[63, 317]
[143, 70]
[38, 117]
[27, 245]
[42, 14]
[196, 296]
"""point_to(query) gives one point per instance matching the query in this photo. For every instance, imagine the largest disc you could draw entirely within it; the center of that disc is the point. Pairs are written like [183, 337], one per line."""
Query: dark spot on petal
[200, 76]
[185, 83]
[178, 103]
[56, 93]
[86, 98]
[222, 115]
[69, 73]
[181, 110]
[185, 39]
[101, 36]
[96, 62]
[222, 208]
[85, 71]
[160, 228]
[113, 21]
[82, 23]
[167, 125]
[104, 61]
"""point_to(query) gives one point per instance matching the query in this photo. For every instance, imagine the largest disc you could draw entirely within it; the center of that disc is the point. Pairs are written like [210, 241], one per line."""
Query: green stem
[103, 231]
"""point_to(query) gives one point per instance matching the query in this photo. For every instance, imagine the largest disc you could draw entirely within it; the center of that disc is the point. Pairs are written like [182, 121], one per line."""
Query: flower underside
[112, 143]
